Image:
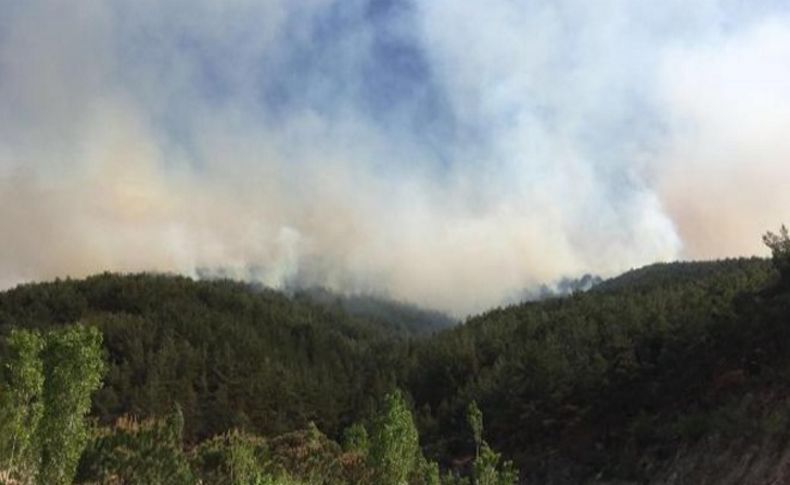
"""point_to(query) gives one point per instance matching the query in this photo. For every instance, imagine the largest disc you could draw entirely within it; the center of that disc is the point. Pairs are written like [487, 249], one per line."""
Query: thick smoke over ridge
[447, 153]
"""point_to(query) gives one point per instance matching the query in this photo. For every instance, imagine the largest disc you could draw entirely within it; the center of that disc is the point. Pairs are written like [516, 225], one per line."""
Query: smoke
[725, 170]
[451, 154]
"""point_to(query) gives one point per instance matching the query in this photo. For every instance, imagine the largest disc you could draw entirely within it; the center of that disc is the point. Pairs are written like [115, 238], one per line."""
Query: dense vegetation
[214, 379]
[45, 439]
[231, 355]
[590, 381]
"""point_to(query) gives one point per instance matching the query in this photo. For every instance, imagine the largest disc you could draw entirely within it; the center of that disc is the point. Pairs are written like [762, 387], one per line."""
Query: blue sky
[452, 154]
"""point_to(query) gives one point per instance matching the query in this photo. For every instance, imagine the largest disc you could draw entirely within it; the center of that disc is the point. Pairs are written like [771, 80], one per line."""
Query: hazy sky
[449, 153]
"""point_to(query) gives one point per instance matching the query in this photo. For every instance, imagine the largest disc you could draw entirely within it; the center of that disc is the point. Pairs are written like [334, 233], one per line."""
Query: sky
[451, 154]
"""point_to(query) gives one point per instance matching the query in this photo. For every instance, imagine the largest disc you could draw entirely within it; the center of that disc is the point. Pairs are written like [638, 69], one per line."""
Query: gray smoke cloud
[450, 154]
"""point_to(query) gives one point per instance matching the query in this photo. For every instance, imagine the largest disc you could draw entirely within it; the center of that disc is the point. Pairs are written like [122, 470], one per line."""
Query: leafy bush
[232, 458]
[355, 439]
[138, 452]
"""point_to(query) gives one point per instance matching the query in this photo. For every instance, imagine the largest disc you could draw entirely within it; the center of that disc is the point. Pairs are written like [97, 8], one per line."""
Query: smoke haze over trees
[368, 145]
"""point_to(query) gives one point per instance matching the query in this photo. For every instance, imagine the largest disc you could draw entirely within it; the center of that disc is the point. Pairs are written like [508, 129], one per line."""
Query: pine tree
[779, 244]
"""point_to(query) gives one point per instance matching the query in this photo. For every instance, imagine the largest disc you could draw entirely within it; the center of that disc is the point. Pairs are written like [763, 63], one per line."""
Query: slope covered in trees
[230, 354]
[581, 382]
[607, 383]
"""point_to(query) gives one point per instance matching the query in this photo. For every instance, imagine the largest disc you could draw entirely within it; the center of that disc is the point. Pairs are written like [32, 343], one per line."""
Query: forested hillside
[587, 384]
[232, 355]
[604, 384]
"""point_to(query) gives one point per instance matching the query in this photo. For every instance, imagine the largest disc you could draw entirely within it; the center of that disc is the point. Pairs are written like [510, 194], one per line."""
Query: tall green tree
[21, 407]
[488, 467]
[73, 369]
[394, 442]
[779, 244]
[475, 418]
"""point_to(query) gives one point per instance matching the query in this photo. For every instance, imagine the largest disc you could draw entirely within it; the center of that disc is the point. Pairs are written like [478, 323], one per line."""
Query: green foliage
[451, 478]
[135, 452]
[401, 316]
[486, 467]
[394, 443]
[592, 380]
[585, 366]
[475, 419]
[232, 458]
[21, 407]
[309, 456]
[73, 369]
[490, 470]
[779, 244]
[233, 355]
[425, 472]
[355, 439]
[46, 394]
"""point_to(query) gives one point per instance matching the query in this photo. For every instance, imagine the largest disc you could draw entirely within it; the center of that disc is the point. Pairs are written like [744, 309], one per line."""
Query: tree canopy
[637, 366]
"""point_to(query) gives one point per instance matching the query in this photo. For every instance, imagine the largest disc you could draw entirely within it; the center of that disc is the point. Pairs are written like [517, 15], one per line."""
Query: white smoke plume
[446, 153]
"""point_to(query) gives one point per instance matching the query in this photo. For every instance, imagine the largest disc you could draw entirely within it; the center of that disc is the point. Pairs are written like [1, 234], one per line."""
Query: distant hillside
[563, 287]
[398, 315]
[232, 355]
[665, 274]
